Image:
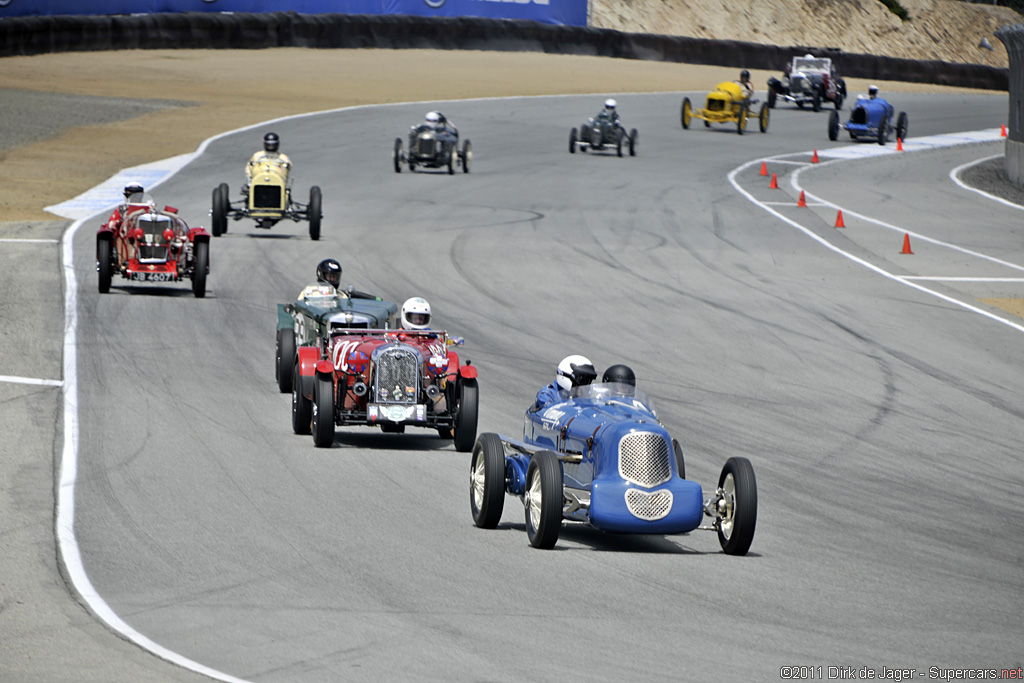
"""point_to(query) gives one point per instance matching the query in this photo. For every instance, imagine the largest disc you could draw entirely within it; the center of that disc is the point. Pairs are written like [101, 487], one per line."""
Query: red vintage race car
[146, 244]
[385, 378]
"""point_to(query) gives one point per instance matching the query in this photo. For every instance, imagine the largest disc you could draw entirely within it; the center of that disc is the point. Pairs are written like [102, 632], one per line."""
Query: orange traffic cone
[764, 168]
[899, 144]
[814, 159]
[801, 201]
[774, 184]
[1002, 133]
[906, 244]
[839, 220]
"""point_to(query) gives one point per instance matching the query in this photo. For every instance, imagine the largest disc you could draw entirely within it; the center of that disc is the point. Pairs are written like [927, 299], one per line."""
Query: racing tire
[466, 156]
[686, 113]
[839, 102]
[707, 124]
[763, 117]
[680, 462]
[322, 417]
[106, 263]
[618, 142]
[225, 202]
[219, 217]
[902, 125]
[284, 359]
[487, 481]
[396, 155]
[883, 130]
[573, 136]
[833, 125]
[302, 407]
[736, 527]
[816, 102]
[633, 142]
[201, 266]
[773, 96]
[453, 153]
[313, 212]
[741, 120]
[543, 500]
[466, 415]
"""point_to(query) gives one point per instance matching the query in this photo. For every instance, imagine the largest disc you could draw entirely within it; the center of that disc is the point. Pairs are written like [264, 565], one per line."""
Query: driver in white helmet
[440, 123]
[573, 371]
[610, 112]
[416, 314]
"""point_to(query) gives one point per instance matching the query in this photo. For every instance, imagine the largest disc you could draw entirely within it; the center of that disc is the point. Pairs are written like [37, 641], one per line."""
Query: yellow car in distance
[727, 103]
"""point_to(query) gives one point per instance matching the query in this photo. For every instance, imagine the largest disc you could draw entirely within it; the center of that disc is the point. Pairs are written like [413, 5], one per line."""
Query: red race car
[146, 244]
[385, 378]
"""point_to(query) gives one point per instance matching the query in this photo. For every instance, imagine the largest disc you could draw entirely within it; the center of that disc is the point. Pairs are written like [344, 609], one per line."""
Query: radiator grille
[397, 377]
[152, 247]
[715, 105]
[643, 459]
[859, 115]
[425, 145]
[649, 506]
[266, 196]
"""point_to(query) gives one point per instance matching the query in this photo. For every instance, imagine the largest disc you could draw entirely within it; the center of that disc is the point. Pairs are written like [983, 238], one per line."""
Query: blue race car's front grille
[649, 505]
[859, 115]
[643, 459]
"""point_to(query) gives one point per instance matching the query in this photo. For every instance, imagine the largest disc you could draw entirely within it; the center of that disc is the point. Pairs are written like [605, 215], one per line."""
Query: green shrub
[896, 8]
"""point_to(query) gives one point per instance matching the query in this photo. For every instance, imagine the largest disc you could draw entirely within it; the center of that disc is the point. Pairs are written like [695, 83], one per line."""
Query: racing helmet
[329, 273]
[575, 371]
[271, 142]
[872, 91]
[744, 76]
[622, 374]
[433, 118]
[415, 314]
[610, 106]
[132, 188]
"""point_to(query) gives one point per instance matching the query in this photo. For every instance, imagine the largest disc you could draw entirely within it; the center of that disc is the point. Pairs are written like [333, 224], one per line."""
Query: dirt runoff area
[72, 120]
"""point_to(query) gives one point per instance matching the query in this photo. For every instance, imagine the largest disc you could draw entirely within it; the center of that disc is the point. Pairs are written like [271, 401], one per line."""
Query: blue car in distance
[870, 119]
[601, 457]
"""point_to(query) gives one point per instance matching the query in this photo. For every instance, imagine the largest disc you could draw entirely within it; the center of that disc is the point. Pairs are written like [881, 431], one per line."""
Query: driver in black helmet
[133, 194]
[747, 86]
[269, 154]
[328, 284]
[622, 376]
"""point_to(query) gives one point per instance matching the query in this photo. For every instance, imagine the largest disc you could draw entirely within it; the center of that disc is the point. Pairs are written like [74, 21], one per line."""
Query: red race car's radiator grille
[266, 196]
[649, 506]
[397, 377]
[643, 459]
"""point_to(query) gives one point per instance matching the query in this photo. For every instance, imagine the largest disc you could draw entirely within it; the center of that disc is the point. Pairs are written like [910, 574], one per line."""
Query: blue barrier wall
[564, 12]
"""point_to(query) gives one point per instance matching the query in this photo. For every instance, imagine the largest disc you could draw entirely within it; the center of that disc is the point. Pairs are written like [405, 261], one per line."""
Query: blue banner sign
[566, 12]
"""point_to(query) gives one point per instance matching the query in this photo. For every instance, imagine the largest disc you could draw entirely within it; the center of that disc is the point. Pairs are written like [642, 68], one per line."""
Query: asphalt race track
[881, 413]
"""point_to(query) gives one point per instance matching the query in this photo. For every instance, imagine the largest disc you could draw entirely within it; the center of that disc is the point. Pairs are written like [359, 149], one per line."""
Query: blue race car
[870, 119]
[601, 457]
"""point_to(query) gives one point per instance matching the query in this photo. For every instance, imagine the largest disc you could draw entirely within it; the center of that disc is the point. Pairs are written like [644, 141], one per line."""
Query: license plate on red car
[151, 277]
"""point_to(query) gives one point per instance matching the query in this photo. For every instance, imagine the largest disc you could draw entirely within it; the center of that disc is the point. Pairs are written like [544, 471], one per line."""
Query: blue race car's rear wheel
[323, 411]
[487, 481]
[543, 500]
[738, 506]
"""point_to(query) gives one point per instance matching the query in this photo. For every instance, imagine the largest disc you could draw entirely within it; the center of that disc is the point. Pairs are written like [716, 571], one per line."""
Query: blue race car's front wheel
[833, 125]
[737, 506]
[543, 500]
[487, 481]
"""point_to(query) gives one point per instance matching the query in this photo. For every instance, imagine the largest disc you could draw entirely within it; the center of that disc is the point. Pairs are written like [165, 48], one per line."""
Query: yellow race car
[727, 103]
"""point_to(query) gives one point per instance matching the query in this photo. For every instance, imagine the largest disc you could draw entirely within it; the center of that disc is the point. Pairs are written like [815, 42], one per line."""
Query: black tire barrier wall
[1013, 39]
[193, 30]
